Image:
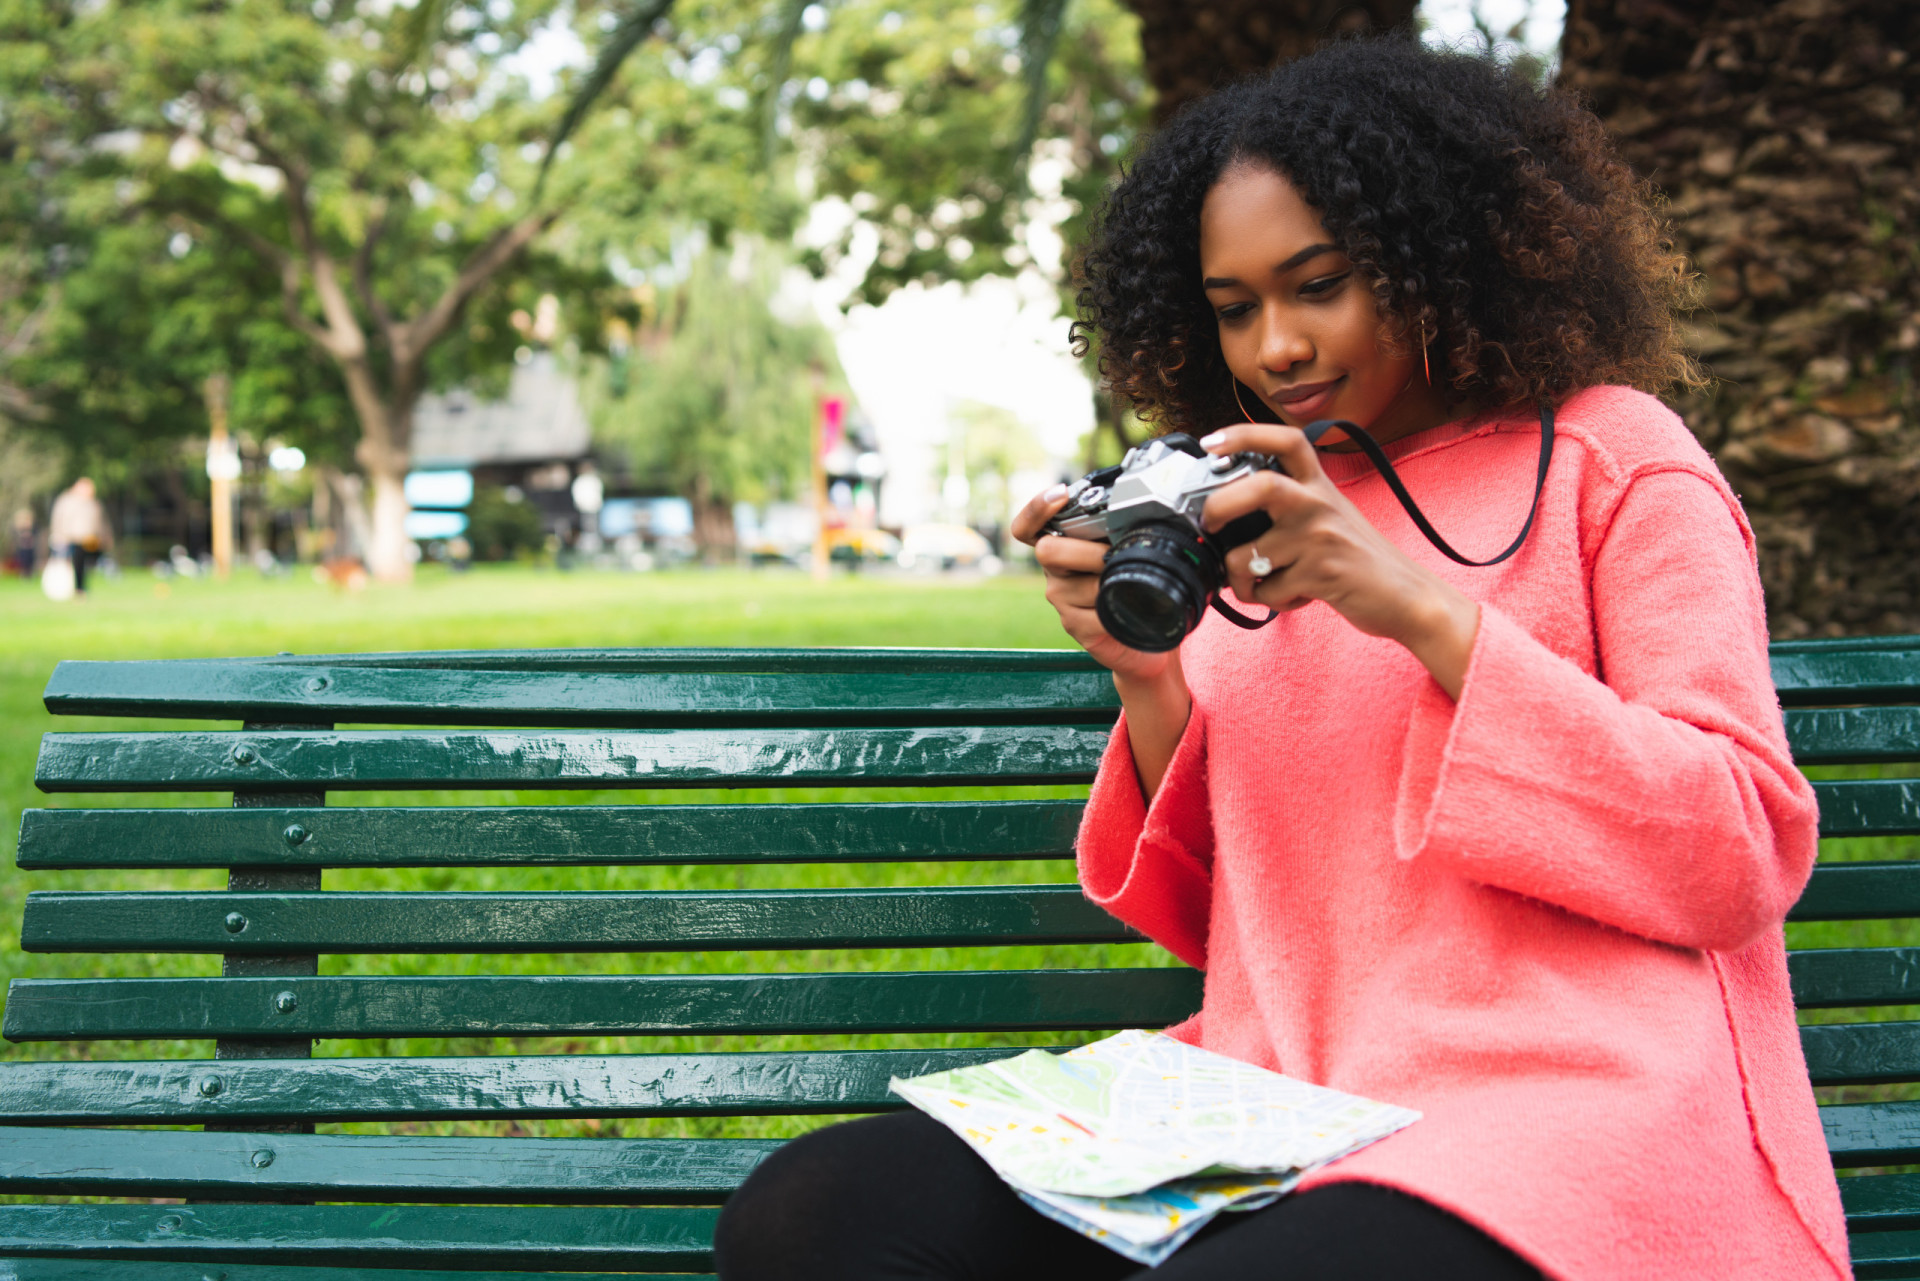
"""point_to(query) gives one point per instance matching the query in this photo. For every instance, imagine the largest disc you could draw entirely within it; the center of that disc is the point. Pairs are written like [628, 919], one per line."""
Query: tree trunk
[1783, 134]
[385, 453]
[387, 559]
[1192, 47]
[348, 532]
[713, 531]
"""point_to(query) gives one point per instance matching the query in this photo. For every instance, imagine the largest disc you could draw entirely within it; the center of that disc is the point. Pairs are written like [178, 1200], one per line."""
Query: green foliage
[28, 468]
[921, 119]
[139, 329]
[721, 399]
[624, 38]
[499, 527]
[662, 157]
[147, 151]
[912, 111]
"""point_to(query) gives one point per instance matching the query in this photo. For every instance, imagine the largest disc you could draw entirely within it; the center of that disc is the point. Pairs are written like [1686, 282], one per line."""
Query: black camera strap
[1378, 456]
[1371, 448]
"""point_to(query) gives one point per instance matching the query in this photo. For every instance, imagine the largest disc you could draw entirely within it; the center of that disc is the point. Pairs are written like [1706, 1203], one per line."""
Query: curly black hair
[1487, 213]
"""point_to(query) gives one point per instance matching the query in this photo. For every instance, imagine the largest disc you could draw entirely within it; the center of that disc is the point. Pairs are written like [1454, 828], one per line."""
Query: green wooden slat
[1825, 978]
[228, 1166]
[1853, 670]
[492, 1087]
[112, 921]
[603, 1238]
[1869, 807]
[1872, 1133]
[1885, 1256]
[598, 1005]
[1877, 1202]
[1861, 1053]
[855, 659]
[106, 1270]
[321, 690]
[1860, 892]
[1853, 735]
[519, 835]
[362, 759]
[1864, 669]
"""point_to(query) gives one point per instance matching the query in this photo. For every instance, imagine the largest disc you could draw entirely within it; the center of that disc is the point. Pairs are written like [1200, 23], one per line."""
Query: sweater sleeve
[1150, 865]
[1663, 801]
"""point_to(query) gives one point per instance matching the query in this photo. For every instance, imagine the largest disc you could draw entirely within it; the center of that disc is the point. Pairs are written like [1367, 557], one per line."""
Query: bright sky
[925, 351]
[1450, 22]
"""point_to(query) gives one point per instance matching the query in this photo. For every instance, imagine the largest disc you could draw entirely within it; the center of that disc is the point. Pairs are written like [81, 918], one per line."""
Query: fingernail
[1054, 494]
[1208, 442]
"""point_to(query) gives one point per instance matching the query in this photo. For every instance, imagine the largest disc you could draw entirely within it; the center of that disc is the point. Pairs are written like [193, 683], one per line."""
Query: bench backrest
[1033, 723]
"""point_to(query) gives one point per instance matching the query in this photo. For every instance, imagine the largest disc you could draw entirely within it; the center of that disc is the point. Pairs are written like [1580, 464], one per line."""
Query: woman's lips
[1306, 401]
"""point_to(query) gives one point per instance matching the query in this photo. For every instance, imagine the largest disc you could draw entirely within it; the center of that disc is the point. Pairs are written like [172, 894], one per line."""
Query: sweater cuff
[1146, 864]
[1426, 811]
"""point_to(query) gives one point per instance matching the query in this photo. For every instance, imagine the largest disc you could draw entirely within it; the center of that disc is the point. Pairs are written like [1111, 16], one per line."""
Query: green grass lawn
[138, 617]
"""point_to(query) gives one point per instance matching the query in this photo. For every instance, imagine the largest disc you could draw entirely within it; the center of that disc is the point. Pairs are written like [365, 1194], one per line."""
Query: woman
[1508, 844]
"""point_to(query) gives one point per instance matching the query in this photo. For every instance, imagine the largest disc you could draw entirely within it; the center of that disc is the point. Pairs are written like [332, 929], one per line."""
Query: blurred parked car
[931, 547]
[861, 546]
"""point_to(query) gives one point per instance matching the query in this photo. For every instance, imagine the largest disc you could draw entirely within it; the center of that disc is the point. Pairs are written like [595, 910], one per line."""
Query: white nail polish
[1208, 442]
[1055, 493]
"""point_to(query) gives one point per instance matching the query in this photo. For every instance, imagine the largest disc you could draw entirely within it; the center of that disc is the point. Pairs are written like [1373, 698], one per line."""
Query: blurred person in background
[22, 543]
[77, 528]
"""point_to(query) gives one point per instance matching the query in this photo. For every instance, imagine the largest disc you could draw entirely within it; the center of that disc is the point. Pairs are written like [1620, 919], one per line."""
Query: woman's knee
[762, 1223]
[828, 1192]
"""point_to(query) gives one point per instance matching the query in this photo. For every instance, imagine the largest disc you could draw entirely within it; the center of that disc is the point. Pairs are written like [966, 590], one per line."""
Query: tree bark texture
[1784, 135]
[1193, 47]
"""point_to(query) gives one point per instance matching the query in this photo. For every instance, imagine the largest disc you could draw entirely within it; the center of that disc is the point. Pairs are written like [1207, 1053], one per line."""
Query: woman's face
[1298, 323]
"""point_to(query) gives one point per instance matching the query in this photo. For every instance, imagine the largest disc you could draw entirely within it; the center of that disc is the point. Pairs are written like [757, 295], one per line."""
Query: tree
[1193, 47]
[1782, 132]
[375, 160]
[111, 317]
[721, 402]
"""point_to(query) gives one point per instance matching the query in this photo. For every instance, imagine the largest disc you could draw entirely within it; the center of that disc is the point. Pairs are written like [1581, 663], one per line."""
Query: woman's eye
[1324, 284]
[1235, 310]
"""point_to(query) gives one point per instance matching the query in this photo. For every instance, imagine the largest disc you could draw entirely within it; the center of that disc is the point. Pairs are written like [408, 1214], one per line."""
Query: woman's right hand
[1072, 566]
[1152, 687]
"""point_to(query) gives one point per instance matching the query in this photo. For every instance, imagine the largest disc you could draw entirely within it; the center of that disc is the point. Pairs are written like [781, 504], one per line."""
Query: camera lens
[1156, 583]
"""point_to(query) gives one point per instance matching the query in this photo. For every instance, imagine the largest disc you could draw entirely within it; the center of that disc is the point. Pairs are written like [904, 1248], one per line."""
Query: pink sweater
[1548, 915]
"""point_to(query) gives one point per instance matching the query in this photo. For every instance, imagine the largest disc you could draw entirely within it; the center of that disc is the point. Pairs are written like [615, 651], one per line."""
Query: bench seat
[265, 1198]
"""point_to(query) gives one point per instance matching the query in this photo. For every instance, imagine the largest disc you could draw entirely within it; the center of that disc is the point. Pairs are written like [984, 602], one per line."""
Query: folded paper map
[1140, 1139]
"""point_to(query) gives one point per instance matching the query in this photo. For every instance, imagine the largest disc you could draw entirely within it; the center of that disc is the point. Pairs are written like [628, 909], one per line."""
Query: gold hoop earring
[1236, 397]
[1426, 362]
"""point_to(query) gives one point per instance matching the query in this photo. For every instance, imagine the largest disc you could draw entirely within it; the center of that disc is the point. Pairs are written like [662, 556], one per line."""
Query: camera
[1164, 569]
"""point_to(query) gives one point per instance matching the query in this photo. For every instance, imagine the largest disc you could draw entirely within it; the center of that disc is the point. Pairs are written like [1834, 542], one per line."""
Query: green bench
[257, 1195]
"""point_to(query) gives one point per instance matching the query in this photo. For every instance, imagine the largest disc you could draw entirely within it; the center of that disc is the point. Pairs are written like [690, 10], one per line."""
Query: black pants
[900, 1198]
[81, 558]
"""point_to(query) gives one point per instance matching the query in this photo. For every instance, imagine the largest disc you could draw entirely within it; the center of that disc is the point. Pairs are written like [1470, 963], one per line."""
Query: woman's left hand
[1322, 548]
